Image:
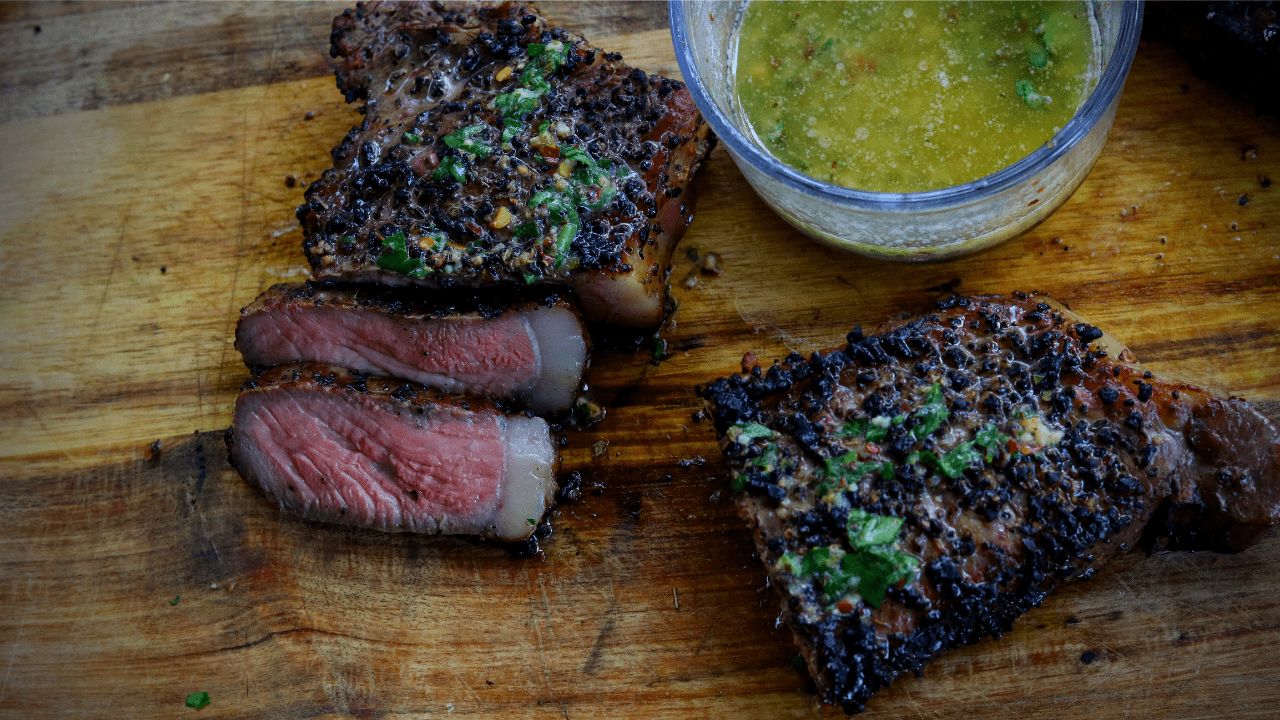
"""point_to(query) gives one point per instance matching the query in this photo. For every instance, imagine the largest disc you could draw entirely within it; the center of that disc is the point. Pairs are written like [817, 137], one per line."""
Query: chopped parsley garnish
[450, 167]
[578, 155]
[873, 571]
[932, 414]
[516, 104]
[198, 700]
[954, 462]
[411, 138]
[531, 521]
[767, 461]
[395, 255]
[591, 185]
[565, 236]
[544, 60]
[853, 428]
[466, 141]
[530, 278]
[867, 530]
[582, 412]
[751, 431]
[991, 439]
[869, 569]
[175, 599]
[776, 136]
[525, 230]
[660, 349]
[768, 458]
[1029, 94]
[877, 429]
[815, 561]
[845, 471]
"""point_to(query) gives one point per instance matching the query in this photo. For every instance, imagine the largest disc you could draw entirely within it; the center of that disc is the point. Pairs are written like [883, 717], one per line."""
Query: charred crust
[410, 302]
[397, 58]
[1063, 505]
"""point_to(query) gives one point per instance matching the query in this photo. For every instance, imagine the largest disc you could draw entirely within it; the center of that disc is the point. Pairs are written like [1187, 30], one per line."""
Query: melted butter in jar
[911, 96]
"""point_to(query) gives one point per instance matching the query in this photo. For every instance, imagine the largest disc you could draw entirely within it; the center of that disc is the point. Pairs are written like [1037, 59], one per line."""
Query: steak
[532, 351]
[922, 487]
[496, 151]
[339, 446]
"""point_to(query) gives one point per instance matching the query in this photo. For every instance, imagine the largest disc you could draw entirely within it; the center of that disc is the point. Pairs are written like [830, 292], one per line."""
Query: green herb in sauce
[932, 414]
[751, 431]
[395, 255]
[991, 439]
[450, 167]
[868, 569]
[845, 471]
[544, 60]
[911, 96]
[525, 230]
[198, 700]
[955, 461]
[466, 141]
[591, 184]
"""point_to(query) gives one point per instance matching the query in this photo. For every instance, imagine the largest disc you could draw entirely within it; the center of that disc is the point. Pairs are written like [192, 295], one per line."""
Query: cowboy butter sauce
[911, 96]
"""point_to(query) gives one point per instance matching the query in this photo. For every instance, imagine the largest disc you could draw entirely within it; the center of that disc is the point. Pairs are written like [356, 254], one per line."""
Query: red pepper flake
[1012, 446]
[844, 606]
[873, 448]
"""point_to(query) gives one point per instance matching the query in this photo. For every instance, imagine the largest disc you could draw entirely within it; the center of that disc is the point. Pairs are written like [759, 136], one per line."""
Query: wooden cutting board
[153, 158]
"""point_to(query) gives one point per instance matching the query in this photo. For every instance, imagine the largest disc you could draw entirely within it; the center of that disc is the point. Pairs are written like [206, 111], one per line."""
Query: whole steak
[497, 151]
[922, 487]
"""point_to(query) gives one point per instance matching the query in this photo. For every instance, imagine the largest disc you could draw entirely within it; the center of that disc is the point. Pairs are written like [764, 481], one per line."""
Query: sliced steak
[922, 487]
[497, 151]
[338, 446]
[532, 351]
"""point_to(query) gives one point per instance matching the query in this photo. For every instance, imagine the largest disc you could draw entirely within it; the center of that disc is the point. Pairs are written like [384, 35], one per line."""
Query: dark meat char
[533, 351]
[922, 487]
[337, 446]
[586, 188]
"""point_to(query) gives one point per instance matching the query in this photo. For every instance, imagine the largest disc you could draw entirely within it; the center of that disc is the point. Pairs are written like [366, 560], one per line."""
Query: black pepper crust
[429, 69]
[1094, 452]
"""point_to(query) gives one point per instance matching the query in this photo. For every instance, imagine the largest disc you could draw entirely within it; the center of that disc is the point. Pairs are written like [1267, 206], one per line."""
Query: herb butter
[911, 96]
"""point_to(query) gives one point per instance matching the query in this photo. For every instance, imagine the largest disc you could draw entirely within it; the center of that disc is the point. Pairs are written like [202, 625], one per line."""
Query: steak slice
[339, 446]
[496, 151]
[530, 351]
[922, 487]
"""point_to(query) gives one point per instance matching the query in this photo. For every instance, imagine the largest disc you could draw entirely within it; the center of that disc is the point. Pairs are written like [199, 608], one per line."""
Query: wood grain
[136, 583]
[148, 51]
[133, 228]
